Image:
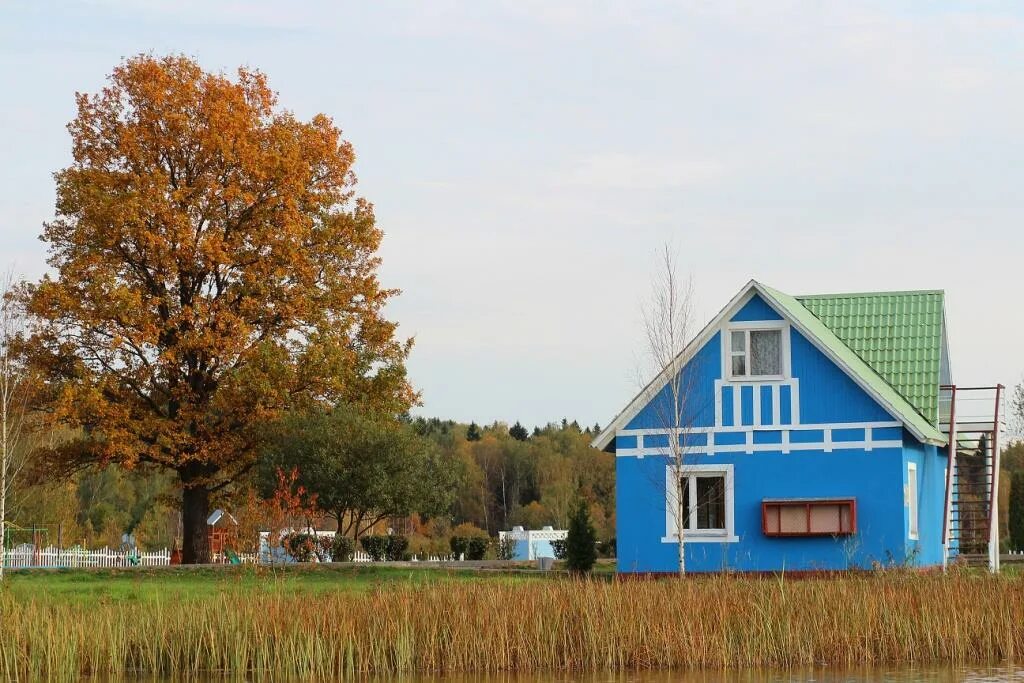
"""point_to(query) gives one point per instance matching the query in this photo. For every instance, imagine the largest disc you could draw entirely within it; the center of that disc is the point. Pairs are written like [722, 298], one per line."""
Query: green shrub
[459, 546]
[425, 547]
[397, 548]
[558, 548]
[477, 547]
[301, 547]
[375, 546]
[343, 548]
[581, 544]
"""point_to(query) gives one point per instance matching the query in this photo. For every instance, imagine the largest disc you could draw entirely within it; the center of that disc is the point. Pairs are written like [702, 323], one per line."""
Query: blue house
[811, 439]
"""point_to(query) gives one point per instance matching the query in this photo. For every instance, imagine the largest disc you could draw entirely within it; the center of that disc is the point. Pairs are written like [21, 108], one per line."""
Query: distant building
[815, 438]
[533, 543]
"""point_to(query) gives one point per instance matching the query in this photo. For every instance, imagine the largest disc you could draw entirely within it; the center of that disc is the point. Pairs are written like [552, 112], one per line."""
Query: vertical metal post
[993, 521]
[947, 512]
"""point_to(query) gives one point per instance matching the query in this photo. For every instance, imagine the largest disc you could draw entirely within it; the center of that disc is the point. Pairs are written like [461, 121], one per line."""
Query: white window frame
[913, 513]
[692, 472]
[747, 328]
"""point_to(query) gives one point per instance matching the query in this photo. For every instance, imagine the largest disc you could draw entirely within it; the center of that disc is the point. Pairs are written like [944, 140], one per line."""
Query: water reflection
[974, 674]
[860, 675]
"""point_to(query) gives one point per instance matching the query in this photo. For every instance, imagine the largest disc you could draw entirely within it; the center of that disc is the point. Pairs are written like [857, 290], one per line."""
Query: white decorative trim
[694, 537]
[718, 401]
[787, 445]
[755, 388]
[767, 428]
[757, 406]
[763, 448]
[777, 404]
[913, 513]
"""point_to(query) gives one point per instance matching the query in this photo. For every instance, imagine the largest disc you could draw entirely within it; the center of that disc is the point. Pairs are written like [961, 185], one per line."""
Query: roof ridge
[865, 294]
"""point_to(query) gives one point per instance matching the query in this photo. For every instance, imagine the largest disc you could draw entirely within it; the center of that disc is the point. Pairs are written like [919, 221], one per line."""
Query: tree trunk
[680, 517]
[3, 495]
[195, 509]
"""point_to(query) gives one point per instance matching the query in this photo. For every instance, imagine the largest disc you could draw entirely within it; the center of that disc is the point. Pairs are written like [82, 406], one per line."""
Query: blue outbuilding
[812, 438]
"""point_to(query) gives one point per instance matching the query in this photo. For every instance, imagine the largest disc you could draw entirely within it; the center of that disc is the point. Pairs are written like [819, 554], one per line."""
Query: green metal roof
[899, 334]
[908, 317]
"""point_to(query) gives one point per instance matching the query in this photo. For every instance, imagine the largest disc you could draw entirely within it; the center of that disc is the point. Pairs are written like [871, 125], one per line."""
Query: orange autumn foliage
[212, 268]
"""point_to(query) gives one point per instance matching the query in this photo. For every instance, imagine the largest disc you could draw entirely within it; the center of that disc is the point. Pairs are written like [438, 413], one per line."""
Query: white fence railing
[30, 557]
[25, 557]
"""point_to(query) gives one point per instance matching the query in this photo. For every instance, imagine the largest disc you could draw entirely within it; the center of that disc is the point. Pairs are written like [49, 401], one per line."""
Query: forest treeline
[422, 477]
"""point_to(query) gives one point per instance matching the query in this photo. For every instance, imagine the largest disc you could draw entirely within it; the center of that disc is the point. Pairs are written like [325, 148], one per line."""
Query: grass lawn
[184, 583]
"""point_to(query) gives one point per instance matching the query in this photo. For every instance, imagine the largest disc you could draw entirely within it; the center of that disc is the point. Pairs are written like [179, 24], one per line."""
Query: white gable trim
[717, 323]
[659, 382]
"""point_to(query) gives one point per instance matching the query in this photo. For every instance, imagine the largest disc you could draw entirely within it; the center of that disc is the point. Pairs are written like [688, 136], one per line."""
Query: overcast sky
[528, 158]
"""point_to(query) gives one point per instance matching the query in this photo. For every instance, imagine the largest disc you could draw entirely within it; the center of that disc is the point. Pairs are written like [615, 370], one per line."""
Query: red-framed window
[808, 516]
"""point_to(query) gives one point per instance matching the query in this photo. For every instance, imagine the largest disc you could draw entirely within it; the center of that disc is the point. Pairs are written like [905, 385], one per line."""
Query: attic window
[755, 354]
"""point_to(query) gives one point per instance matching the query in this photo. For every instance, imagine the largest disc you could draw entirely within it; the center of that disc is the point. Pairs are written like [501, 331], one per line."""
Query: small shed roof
[219, 518]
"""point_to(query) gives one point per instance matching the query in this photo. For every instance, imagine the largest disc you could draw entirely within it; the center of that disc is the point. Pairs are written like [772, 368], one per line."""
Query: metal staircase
[973, 418]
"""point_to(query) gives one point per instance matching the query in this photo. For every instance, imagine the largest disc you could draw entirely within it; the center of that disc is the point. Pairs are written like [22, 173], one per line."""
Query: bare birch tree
[13, 400]
[668, 323]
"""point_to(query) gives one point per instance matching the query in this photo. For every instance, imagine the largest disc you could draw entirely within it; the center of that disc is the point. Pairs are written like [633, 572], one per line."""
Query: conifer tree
[1017, 510]
[581, 545]
[518, 432]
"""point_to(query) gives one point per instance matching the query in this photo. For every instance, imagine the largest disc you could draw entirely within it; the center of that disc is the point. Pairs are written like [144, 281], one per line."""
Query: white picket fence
[360, 556]
[29, 557]
[26, 557]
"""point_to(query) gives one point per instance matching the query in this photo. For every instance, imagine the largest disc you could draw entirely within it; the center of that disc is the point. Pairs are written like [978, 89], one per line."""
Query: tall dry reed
[492, 626]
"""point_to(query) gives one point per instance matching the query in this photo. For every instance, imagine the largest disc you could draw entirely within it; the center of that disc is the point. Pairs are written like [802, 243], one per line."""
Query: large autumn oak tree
[212, 269]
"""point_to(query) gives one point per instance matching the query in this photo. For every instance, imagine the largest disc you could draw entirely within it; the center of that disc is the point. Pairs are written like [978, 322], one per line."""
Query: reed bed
[495, 626]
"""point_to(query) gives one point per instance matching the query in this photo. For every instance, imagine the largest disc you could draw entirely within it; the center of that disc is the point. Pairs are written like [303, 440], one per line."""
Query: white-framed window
[912, 527]
[756, 352]
[707, 502]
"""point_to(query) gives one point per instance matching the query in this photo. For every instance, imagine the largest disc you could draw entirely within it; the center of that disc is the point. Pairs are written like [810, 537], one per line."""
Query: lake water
[879, 675]
[972, 674]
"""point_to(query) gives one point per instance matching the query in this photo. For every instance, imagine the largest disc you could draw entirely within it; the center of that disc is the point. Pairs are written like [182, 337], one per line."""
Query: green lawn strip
[186, 583]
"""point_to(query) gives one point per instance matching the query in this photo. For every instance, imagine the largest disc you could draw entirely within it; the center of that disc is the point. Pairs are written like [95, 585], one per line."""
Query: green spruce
[1017, 510]
[581, 545]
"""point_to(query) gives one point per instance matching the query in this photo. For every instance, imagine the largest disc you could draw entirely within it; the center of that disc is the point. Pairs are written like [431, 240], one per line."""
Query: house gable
[755, 310]
[748, 404]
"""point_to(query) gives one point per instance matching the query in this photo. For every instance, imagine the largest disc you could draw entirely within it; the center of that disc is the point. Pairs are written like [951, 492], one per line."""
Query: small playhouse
[531, 544]
[820, 432]
[221, 529]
